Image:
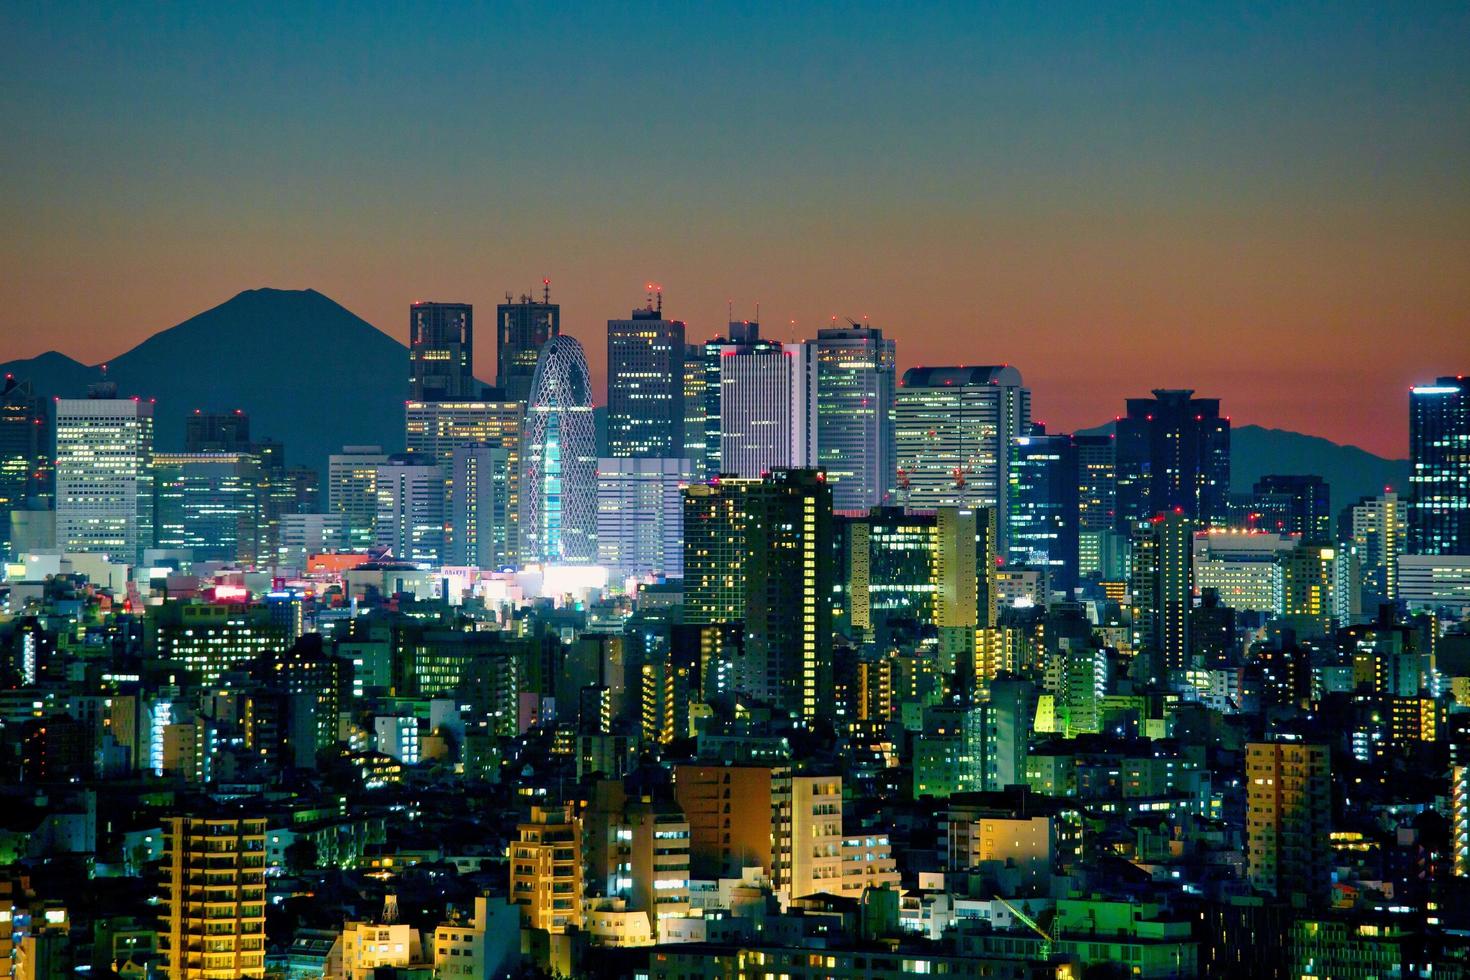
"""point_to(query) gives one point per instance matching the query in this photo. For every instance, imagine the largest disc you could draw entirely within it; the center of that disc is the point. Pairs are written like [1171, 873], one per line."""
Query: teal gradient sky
[1268, 205]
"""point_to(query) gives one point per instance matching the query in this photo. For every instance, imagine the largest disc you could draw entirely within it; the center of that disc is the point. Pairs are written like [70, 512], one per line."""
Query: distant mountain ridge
[316, 376]
[309, 372]
[1351, 473]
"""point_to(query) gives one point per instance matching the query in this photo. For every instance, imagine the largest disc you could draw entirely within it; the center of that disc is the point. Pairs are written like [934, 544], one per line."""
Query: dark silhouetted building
[522, 328]
[1173, 453]
[441, 343]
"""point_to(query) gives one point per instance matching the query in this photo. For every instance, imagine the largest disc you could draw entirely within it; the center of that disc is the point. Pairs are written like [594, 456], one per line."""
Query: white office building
[104, 476]
[955, 429]
[410, 518]
[640, 516]
[768, 408]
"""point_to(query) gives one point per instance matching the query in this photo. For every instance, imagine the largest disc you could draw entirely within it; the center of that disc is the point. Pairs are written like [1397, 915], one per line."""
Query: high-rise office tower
[558, 489]
[434, 431]
[696, 407]
[855, 393]
[1289, 819]
[1293, 504]
[768, 407]
[441, 346]
[640, 515]
[352, 491]
[715, 550]
[1379, 533]
[24, 450]
[1308, 583]
[1096, 490]
[955, 429]
[522, 329]
[1161, 589]
[212, 909]
[481, 511]
[1439, 476]
[410, 519]
[209, 502]
[1044, 505]
[788, 589]
[888, 569]
[645, 385]
[217, 432]
[738, 334]
[104, 475]
[1098, 539]
[1173, 452]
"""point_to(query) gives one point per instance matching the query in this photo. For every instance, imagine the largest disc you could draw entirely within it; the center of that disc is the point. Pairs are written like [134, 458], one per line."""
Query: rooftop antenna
[660, 291]
[758, 312]
[729, 311]
[546, 291]
[508, 297]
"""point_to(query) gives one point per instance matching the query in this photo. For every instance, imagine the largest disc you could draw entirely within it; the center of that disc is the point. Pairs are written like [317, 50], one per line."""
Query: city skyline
[1161, 197]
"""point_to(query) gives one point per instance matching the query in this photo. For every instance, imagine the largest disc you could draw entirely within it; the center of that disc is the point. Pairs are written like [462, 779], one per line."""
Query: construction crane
[1046, 939]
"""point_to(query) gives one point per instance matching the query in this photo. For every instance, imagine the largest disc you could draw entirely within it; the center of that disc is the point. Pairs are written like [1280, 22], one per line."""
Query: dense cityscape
[769, 661]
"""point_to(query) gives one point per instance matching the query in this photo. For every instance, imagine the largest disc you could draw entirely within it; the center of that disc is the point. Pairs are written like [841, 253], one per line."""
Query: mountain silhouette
[316, 376]
[1351, 473]
[308, 371]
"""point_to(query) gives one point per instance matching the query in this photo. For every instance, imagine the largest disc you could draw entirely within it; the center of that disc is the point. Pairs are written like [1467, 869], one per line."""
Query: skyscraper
[1439, 477]
[434, 431]
[640, 515]
[741, 333]
[1096, 490]
[1161, 588]
[441, 341]
[1378, 532]
[523, 328]
[1173, 452]
[352, 491]
[1289, 819]
[788, 590]
[1294, 504]
[481, 512]
[645, 385]
[212, 910]
[767, 407]
[210, 503]
[559, 460]
[715, 550]
[696, 408]
[855, 393]
[410, 520]
[955, 429]
[24, 449]
[217, 432]
[1043, 502]
[104, 475]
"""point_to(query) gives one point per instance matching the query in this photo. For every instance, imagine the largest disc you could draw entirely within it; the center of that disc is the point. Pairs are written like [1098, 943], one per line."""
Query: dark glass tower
[1294, 504]
[217, 432]
[1173, 455]
[1043, 502]
[24, 442]
[522, 328]
[1439, 476]
[645, 386]
[441, 342]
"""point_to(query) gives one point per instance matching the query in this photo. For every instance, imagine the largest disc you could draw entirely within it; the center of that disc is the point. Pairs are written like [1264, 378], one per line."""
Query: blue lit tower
[559, 460]
[1439, 477]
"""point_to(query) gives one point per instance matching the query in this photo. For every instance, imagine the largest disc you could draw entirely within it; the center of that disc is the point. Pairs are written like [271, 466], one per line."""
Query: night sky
[1270, 206]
